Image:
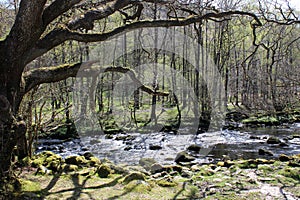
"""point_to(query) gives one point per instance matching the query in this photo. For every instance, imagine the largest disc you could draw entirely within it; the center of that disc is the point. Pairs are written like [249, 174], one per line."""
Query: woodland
[72, 69]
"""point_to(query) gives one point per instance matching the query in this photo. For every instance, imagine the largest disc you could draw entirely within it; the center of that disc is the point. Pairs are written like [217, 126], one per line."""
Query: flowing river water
[163, 147]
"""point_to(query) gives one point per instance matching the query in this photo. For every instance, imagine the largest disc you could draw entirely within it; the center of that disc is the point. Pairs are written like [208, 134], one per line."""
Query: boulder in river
[155, 147]
[147, 163]
[194, 148]
[184, 157]
[265, 152]
[284, 158]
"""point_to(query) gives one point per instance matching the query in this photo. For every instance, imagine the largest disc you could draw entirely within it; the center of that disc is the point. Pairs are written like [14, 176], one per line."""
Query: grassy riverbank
[48, 176]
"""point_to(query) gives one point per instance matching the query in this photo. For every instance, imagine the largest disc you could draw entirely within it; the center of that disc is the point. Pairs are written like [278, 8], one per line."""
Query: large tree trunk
[12, 128]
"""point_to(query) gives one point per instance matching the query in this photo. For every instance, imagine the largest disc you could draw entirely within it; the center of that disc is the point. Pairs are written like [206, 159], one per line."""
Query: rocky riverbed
[129, 148]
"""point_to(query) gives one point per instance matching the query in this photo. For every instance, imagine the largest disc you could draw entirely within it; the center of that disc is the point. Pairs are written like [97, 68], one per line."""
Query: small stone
[155, 147]
[221, 163]
[109, 136]
[127, 148]
[254, 137]
[195, 168]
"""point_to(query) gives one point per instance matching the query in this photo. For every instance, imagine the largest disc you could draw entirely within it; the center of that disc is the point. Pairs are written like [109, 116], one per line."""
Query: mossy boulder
[69, 168]
[264, 161]
[166, 183]
[138, 186]
[47, 159]
[247, 164]
[103, 171]
[284, 158]
[76, 160]
[134, 176]
[291, 172]
[93, 161]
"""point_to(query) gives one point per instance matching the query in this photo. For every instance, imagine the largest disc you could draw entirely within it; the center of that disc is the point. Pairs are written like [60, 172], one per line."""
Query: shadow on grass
[77, 188]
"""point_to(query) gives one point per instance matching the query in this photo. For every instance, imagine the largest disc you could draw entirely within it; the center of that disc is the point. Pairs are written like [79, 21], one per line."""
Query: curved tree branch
[53, 74]
[58, 36]
[57, 8]
[87, 20]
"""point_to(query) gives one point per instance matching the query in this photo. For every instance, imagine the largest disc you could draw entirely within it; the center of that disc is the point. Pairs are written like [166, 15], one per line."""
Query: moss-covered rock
[138, 186]
[291, 172]
[284, 158]
[227, 163]
[133, 176]
[103, 171]
[76, 160]
[93, 161]
[69, 168]
[246, 164]
[166, 183]
[47, 159]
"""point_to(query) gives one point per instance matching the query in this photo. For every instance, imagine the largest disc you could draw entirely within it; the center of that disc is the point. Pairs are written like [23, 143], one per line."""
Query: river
[163, 147]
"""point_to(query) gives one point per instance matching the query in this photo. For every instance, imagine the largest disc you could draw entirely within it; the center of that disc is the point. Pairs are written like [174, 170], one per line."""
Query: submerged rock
[265, 152]
[273, 140]
[155, 147]
[194, 147]
[147, 163]
[184, 157]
